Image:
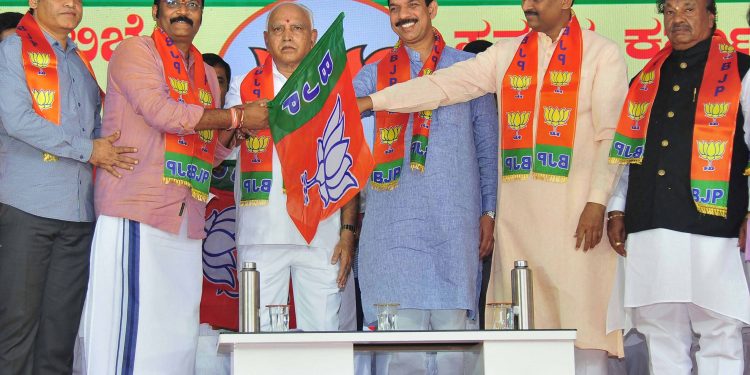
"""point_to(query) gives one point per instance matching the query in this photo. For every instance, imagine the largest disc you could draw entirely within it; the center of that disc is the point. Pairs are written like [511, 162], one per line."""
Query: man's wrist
[348, 227]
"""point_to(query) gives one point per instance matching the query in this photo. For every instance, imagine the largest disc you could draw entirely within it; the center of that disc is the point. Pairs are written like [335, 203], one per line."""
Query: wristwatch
[348, 227]
[491, 214]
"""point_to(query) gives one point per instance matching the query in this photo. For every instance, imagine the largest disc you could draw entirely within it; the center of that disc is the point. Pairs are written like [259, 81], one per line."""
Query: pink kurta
[537, 219]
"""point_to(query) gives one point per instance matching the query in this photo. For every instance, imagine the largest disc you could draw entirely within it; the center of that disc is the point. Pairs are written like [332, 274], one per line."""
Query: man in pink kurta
[141, 312]
[556, 227]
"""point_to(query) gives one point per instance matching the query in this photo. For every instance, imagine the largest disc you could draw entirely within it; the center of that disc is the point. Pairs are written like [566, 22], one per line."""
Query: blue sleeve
[20, 120]
[365, 83]
[484, 116]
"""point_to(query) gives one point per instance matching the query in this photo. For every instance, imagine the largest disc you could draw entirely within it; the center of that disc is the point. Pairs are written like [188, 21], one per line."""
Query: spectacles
[175, 4]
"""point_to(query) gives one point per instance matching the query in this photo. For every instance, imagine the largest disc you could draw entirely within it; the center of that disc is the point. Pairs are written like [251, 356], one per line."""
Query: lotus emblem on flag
[715, 111]
[711, 151]
[44, 98]
[332, 176]
[180, 87]
[388, 136]
[727, 50]
[520, 84]
[556, 117]
[637, 112]
[206, 136]
[39, 60]
[647, 78]
[219, 263]
[257, 144]
[560, 79]
[205, 97]
[518, 121]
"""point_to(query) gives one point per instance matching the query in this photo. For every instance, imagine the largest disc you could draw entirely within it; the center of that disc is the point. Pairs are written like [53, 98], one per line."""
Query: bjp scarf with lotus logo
[188, 158]
[389, 148]
[40, 68]
[256, 153]
[551, 157]
[713, 131]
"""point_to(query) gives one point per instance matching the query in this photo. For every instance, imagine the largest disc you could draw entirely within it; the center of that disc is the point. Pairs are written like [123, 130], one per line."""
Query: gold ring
[618, 243]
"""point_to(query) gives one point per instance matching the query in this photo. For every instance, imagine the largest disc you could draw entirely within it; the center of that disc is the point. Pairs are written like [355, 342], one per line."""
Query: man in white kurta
[537, 219]
[266, 234]
[683, 273]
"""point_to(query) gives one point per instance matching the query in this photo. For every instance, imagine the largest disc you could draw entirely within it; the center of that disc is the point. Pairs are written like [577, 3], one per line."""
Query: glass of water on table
[387, 316]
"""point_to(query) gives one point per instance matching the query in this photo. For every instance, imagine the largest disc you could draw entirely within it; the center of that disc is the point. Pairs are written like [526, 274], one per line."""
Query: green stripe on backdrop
[260, 3]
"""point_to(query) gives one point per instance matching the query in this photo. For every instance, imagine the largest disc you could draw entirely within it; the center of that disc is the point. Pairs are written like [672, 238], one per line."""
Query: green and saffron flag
[316, 126]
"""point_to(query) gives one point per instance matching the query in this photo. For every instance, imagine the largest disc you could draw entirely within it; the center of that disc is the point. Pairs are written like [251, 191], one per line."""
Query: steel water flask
[249, 298]
[523, 296]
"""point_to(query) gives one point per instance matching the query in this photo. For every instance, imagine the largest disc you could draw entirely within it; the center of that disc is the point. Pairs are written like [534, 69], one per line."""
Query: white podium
[332, 353]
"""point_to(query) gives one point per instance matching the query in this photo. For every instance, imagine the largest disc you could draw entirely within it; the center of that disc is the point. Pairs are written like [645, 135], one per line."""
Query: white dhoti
[141, 311]
[679, 283]
[317, 298]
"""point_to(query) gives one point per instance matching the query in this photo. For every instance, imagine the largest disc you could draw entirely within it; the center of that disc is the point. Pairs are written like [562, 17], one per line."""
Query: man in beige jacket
[559, 90]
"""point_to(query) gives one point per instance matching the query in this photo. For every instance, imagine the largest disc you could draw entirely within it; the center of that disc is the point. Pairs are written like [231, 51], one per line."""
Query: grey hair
[301, 6]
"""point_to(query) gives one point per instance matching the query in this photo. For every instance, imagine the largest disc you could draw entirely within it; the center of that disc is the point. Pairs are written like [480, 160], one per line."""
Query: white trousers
[416, 363]
[141, 310]
[669, 327]
[316, 295]
[591, 362]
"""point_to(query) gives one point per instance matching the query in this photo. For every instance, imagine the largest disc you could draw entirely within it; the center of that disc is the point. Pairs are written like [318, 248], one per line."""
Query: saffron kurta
[537, 219]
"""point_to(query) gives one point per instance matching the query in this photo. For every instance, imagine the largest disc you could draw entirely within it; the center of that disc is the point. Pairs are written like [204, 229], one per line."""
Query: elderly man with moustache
[681, 207]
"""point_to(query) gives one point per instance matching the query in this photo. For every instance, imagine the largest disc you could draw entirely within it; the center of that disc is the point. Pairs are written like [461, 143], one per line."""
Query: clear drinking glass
[279, 315]
[387, 316]
[502, 315]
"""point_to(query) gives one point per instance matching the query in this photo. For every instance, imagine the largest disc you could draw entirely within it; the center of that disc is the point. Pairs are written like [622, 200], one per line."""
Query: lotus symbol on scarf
[520, 84]
[333, 176]
[44, 98]
[39, 60]
[560, 79]
[518, 121]
[711, 151]
[388, 136]
[206, 136]
[647, 78]
[219, 262]
[180, 86]
[727, 50]
[637, 112]
[205, 97]
[257, 144]
[715, 111]
[556, 117]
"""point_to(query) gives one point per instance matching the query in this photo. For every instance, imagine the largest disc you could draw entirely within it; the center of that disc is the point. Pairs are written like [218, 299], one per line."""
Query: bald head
[301, 7]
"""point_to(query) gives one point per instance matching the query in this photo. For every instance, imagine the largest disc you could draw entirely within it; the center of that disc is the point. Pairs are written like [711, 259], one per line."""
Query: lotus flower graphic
[715, 111]
[333, 176]
[727, 50]
[206, 136]
[560, 79]
[556, 117]
[637, 112]
[219, 259]
[520, 84]
[647, 78]
[389, 136]
[518, 121]
[711, 151]
[39, 60]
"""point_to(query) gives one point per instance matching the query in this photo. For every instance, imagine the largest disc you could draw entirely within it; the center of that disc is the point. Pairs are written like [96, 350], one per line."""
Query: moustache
[405, 21]
[183, 19]
[530, 13]
[681, 27]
